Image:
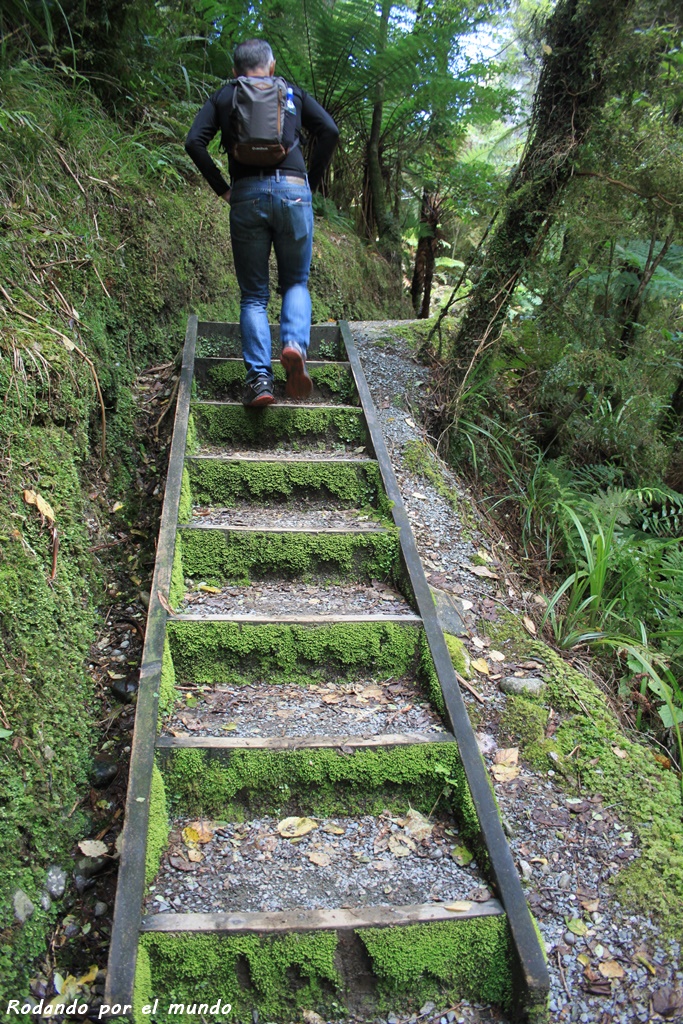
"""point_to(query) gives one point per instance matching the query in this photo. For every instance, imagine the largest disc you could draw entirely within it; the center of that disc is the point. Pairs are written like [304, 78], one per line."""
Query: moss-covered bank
[105, 248]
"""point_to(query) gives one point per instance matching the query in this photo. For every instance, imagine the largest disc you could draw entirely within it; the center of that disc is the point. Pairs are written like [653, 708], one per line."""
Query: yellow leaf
[319, 858]
[86, 979]
[507, 755]
[190, 835]
[611, 969]
[333, 830]
[117, 506]
[459, 907]
[505, 772]
[202, 831]
[206, 589]
[584, 959]
[291, 828]
[547, 49]
[33, 498]
[480, 665]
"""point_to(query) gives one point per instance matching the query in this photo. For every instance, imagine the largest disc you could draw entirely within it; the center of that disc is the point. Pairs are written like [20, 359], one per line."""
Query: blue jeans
[267, 212]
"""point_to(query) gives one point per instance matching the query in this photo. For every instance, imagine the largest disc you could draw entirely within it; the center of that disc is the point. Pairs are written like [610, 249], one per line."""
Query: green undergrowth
[104, 251]
[212, 652]
[348, 484]
[225, 381]
[217, 556]
[216, 424]
[647, 796]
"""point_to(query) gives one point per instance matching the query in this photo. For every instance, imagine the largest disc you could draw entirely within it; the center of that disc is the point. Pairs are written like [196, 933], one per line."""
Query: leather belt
[264, 177]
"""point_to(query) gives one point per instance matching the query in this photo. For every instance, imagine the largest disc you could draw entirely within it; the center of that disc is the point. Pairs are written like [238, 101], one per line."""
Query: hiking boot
[258, 392]
[293, 359]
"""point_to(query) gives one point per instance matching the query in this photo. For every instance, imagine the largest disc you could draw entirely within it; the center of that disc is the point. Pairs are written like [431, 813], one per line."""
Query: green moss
[167, 687]
[459, 655]
[209, 652]
[143, 989]
[459, 960]
[217, 556]
[191, 442]
[523, 722]
[321, 781]
[177, 588]
[421, 459]
[333, 381]
[276, 976]
[157, 830]
[349, 484]
[648, 798]
[218, 424]
[185, 502]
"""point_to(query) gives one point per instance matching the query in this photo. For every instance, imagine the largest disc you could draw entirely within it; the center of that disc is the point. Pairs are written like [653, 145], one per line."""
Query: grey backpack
[262, 121]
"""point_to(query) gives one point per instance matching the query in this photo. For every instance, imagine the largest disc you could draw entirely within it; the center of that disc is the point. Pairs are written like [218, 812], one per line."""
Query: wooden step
[224, 379]
[300, 742]
[217, 423]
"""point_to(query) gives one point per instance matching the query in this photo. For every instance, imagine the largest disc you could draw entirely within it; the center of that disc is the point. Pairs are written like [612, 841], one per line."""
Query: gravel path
[342, 862]
[291, 517]
[366, 707]
[568, 850]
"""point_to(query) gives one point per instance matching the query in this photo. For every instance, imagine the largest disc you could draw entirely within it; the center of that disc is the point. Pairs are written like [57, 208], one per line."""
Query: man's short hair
[252, 54]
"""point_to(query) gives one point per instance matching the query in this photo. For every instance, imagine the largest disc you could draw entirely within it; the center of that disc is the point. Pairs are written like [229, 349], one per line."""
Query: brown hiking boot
[298, 384]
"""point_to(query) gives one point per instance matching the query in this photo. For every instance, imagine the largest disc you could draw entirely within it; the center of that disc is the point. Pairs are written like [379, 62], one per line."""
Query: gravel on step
[365, 707]
[285, 517]
[331, 453]
[287, 597]
[342, 862]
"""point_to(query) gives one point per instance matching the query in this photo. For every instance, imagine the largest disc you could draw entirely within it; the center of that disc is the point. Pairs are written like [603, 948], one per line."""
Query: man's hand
[226, 195]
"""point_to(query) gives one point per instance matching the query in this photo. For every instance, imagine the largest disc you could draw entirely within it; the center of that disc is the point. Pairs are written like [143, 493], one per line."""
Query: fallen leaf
[618, 752]
[190, 834]
[462, 856]
[481, 570]
[92, 847]
[33, 498]
[206, 589]
[529, 624]
[319, 858]
[505, 772]
[479, 644]
[506, 755]
[611, 969]
[459, 907]
[292, 828]
[590, 906]
[401, 845]
[577, 927]
[333, 830]
[584, 959]
[422, 497]
[86, 979]
[181, 864]
[195, 856]
[668, 1001]
[417, 826]
[496, 656]
[480, 665]
[204, 830]
[117, 506]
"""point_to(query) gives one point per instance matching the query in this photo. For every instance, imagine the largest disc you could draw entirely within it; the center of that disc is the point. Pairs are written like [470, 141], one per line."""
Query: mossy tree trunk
[573, 86]
[423, 271]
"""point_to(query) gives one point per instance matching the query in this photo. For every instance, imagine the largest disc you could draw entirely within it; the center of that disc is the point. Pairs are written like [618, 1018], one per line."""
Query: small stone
[427, 1008]
[100, 908]
[88, 867]
[530, 686]
[569, 938]
[23, 907]
[45, 900]
[564, 881]
[103, 772]
[55, 881]
[526, 869]
[124, 690]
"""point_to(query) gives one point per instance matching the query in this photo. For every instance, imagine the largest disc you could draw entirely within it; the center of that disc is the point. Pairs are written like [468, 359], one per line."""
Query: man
[269, 206]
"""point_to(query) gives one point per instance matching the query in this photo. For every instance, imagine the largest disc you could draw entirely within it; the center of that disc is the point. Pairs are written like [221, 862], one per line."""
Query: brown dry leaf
[618, 752]
[611, 969]
[92, 847]
[529, 624]
[459, 907]
[401, 845]
[590, 906]
[333, 830]
[668, 1001]
[311, 1017]
[509, 755]
[33, 498]
[505, 772]
[496, 656]
[333, 698]
[319, 858]
[373, 691]
[292, 828]
[195, 856]
[480, 665]
[417, 826]
[181, 864]
[204, 831]
[479, 644]
[481, 570]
